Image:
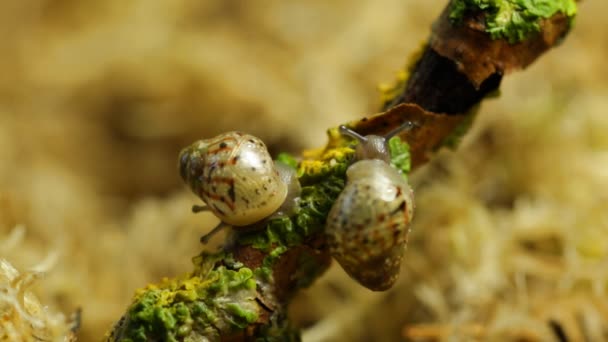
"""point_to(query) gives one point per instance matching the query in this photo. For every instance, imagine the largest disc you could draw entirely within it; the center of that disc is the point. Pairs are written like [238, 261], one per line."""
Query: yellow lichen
[389, 91]
[312, 168]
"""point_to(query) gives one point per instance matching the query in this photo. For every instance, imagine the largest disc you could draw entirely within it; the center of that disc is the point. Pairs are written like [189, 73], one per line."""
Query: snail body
[368, 224]
[235, 176]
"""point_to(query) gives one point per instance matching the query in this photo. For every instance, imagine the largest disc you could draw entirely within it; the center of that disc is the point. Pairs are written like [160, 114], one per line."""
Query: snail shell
[235, 176]
[368, 224]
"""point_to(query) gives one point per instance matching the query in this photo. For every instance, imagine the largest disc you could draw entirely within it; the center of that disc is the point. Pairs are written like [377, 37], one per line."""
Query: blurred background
[510, 239]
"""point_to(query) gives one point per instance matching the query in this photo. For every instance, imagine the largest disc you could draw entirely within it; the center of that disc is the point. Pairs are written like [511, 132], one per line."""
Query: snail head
[374, 146]
[191, 164]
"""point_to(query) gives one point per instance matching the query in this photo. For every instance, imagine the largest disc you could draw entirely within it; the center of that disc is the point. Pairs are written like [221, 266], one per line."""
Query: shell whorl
[368, 224]
[235, 176]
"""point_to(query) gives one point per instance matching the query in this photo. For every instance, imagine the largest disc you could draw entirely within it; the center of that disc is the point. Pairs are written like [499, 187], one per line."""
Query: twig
[243, 292]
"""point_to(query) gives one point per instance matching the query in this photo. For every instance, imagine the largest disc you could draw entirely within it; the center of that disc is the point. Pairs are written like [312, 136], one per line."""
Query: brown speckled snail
[237, 179]
[368, 224]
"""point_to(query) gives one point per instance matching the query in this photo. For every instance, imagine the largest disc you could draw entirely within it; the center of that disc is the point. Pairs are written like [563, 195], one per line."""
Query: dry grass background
[97, 98]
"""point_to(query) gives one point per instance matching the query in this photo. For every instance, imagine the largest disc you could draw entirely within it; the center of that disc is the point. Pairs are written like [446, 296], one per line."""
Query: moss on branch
[222, 301]
[241, 292]
[224, 295]
[513, 20]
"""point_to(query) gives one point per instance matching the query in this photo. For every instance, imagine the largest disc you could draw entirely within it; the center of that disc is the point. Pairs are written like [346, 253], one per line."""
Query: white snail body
[368, 224]
[235, 176]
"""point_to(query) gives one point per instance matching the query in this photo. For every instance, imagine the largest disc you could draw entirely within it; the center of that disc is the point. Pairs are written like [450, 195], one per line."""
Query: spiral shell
[368, 224]
[235, 176]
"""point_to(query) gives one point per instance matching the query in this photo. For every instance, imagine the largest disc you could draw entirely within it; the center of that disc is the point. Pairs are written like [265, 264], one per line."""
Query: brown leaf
[429, 130]
[478, 56]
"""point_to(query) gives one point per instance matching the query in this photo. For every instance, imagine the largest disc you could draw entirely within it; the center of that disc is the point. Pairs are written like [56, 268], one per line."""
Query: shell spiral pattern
[368, 224]
[235, 176]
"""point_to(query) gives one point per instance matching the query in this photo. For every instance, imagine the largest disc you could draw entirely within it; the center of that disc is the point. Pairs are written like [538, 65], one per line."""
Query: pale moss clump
[24, 318]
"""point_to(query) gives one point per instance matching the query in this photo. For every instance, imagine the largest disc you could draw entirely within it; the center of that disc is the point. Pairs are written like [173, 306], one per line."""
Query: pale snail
[368, 224]
[237, 179]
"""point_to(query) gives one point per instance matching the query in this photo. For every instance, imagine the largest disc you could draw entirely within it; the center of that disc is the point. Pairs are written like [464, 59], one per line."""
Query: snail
[368, 224]
[237, 179]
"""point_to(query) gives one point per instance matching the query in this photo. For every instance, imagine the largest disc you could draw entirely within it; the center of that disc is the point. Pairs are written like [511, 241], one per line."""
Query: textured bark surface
[437, 85]
[428, 132]
[480, 58]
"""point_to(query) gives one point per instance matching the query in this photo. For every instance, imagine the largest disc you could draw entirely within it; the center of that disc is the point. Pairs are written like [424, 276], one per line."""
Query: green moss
[219, 296]
[224, 300]
[322, 180]
[240, 317]
[332, 164]
[513, 20]
[287, 159]
[265, 271]
[400, 155]
[206, 261]
[282, 233]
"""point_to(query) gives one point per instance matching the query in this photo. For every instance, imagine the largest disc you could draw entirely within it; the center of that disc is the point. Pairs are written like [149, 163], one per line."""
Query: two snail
[367, 226]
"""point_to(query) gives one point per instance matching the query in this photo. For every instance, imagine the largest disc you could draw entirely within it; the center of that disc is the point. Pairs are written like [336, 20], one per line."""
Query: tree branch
[243, 291]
